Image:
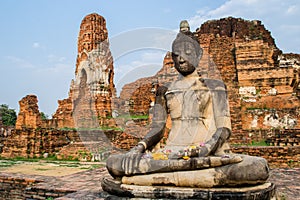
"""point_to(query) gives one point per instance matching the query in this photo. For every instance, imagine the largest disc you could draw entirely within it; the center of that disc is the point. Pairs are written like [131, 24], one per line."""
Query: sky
[38, 43]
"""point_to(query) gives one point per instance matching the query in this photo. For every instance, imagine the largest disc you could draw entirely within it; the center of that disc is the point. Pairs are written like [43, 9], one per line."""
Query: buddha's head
[186, 53]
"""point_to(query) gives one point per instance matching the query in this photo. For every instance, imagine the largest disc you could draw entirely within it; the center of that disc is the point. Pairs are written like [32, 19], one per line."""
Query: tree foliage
[44, 116]
[7, 115]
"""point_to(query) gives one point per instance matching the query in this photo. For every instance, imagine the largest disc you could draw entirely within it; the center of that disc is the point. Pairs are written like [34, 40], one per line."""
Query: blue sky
[39, 38]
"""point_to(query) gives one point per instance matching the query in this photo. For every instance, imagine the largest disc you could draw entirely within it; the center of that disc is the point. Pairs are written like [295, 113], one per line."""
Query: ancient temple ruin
[92, 89]
[262, 82]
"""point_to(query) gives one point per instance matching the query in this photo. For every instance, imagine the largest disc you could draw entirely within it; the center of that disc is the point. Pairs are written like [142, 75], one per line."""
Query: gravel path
[287, 182]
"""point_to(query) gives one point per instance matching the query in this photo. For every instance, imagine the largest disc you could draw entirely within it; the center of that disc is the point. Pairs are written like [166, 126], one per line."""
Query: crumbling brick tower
[91, 91]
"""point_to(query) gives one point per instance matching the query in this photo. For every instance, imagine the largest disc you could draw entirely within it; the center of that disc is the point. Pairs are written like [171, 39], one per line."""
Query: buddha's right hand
[131, 160]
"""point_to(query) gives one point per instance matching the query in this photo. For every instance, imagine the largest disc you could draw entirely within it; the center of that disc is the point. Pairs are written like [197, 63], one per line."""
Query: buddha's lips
[184, 66]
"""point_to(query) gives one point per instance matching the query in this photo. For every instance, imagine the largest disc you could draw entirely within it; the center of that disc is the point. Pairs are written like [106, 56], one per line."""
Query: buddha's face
[185, 57]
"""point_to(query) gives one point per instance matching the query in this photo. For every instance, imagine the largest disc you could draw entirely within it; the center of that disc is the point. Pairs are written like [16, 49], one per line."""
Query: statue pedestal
[264, 191]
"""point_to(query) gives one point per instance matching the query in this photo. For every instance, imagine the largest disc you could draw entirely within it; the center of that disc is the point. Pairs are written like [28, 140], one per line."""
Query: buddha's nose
[181, 59]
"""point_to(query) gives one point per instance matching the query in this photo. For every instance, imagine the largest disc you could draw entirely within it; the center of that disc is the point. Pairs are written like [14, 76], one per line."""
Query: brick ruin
[263, 90]
[262, 81]
[29, 115]
[258, 76]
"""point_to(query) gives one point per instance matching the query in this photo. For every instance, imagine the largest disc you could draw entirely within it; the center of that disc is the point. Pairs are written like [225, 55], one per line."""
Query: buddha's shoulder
[214, 84]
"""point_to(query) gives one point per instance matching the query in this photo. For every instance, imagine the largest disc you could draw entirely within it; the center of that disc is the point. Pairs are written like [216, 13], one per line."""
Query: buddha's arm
[159, 120]
[158, 123]
[221, 117]
[128, 164]
[217, 140]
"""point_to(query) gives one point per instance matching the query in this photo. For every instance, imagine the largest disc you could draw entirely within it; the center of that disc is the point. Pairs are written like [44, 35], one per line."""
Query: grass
[134, 116]
[101, 128]
[67, 129]
[281, 196]
[106, 128]
[50, 158]
[42, 169]
[253, 143]
[259, 143]
[70, 165]
[7, 163]
[16, 159]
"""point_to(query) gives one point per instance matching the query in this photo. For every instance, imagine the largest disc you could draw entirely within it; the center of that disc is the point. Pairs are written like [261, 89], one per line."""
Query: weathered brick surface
[22, 187]
[85, 145]
[29, 115]
[288, 156]
[63, 116]
[14, 186]
[35, 142]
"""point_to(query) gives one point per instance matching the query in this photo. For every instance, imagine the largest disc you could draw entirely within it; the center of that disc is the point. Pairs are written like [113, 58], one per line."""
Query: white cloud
[54, 58]
[128, 63]
[153, 57]
[36, 45]
[293, 9]
[20, 62]
[274, 14]
[56, 69]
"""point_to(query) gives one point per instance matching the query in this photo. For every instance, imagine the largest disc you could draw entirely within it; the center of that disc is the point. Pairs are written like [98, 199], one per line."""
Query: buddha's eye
[188, 51]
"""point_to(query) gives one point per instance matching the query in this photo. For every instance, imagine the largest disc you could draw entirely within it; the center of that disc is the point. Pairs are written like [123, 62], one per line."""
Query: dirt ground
[45, 168]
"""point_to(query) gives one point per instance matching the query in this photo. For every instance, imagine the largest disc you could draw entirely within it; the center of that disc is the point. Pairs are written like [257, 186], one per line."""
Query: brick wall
[275, 155]
[17, 186]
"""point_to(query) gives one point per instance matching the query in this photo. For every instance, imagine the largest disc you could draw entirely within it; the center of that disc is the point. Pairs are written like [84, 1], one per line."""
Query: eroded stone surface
[264, 191]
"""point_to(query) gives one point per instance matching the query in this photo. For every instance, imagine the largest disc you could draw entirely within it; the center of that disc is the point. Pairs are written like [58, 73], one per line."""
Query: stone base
[264, 191]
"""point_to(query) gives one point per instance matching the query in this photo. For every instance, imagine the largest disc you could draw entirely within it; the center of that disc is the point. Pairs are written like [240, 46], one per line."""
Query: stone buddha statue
[196, 152]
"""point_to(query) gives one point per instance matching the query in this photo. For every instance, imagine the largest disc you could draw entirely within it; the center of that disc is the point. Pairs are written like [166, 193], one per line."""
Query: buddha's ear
[199, 58]
[200, 54]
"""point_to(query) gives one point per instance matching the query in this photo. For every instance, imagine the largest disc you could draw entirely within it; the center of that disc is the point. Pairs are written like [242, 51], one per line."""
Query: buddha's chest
[187, 103]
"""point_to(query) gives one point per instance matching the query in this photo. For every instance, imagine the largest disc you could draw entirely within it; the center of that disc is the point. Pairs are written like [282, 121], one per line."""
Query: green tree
[44, 116]
[7, 115]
